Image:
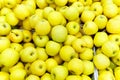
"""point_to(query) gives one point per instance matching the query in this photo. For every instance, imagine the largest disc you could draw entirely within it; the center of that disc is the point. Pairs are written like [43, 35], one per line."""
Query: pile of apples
[59, 39]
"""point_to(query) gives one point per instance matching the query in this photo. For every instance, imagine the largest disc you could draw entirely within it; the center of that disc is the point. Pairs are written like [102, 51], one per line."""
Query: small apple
[60, 2]
[28, 44]
[38, 67]
[4, 43]
[79, 45]
[32, 77]
[4, 75]
[15, 35]
[18, 74]
[52, 50]
[9, 57]
[10, 3]
[39, 12]
[21, 11]
[73, 77]
[69, 39]
[41, 3]
[26, 24]
[42, 55]
[59, 73]
[59, 33]
[73, 27]
[47, 11]
[16, 46]
[86, 3]
[5, 28]
[42, 27]
[12, 19]
[27, 68]
[28, 54]
[58, 59]
[76, 66]
[55, 18]
[67, 53]
[4, 11]
[40, 40]
[2, 19]
[46, 76]
[27, 36]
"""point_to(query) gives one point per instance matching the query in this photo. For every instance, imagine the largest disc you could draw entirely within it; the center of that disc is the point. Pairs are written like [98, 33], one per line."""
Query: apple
[21, 11]
[2, 4]
[60, 2]
[27, 68]
[27, 36]
[86, 3]
[26, 24]
[67, 53]
[73, 77]
[4, 75]
[16, 46]
[46, 76]
[4, 43]
[79, 45]
[69, 39]
[2, 19]
[39, 12]
[55, 18]
[32, 77]
[10, 3]
[59, 73]
[50, 63]
[73, 27]
[4, 11]
[5, 69]
[52, 48]
[42, 55]
[58, 59]
[47, 11]
[5, 28]
[40, 40]
[59, 33]
[9, 57]
[61, 9]
[28, 44]
[18, 74]
[15, 35]
[28, 54]
[42, 27]
[41, 3]
[71, 13]
[50, 1]
[115, 38]
[38, 67]
[12, 19]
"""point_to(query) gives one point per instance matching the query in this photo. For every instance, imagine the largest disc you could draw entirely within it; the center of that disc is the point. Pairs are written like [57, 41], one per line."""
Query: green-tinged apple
[79, 6]
[4, 75]
[16, 66]
[55, 18]
[28, 54]
[59, 33]
[32, 77]
[16, 46]
[52, 48]
[51, 63]
[21, 11]
[74, 77]
[69, 39]
[18, 74]
[73, 27]
[2, 19]
[76, 66]
[71, 13]
[110, 48]
[79, 45]
[5, 28]
[12, 19]
[42, 55]
[60, 2]
[10, 3]
[9, 57]
[47, 11]
[46, 76]
[40, 40]
[41, 3]
[59, 73]
[4, 11]
[67, 53]
[15, 35]
[42, 27]
[27, 36]
[4, 43]
[62, 9]
[38, 67]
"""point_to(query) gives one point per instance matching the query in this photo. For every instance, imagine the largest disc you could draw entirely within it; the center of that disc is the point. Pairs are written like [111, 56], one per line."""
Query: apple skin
[4, 43]
[9, 57]
[4, 75]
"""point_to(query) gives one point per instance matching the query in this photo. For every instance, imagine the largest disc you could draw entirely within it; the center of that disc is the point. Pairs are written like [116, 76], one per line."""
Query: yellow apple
[60, 2]
[16, 46]
[41, 3]
[27, 36]
[4, 75]
[4, 11]
[2, 19]
[26, 24]
[46, 76]
[32, 77]
[73, 77]
[10, 3]
[69, 39]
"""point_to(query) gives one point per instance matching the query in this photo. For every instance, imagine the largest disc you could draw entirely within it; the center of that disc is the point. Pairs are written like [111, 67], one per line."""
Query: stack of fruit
[54, 39]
